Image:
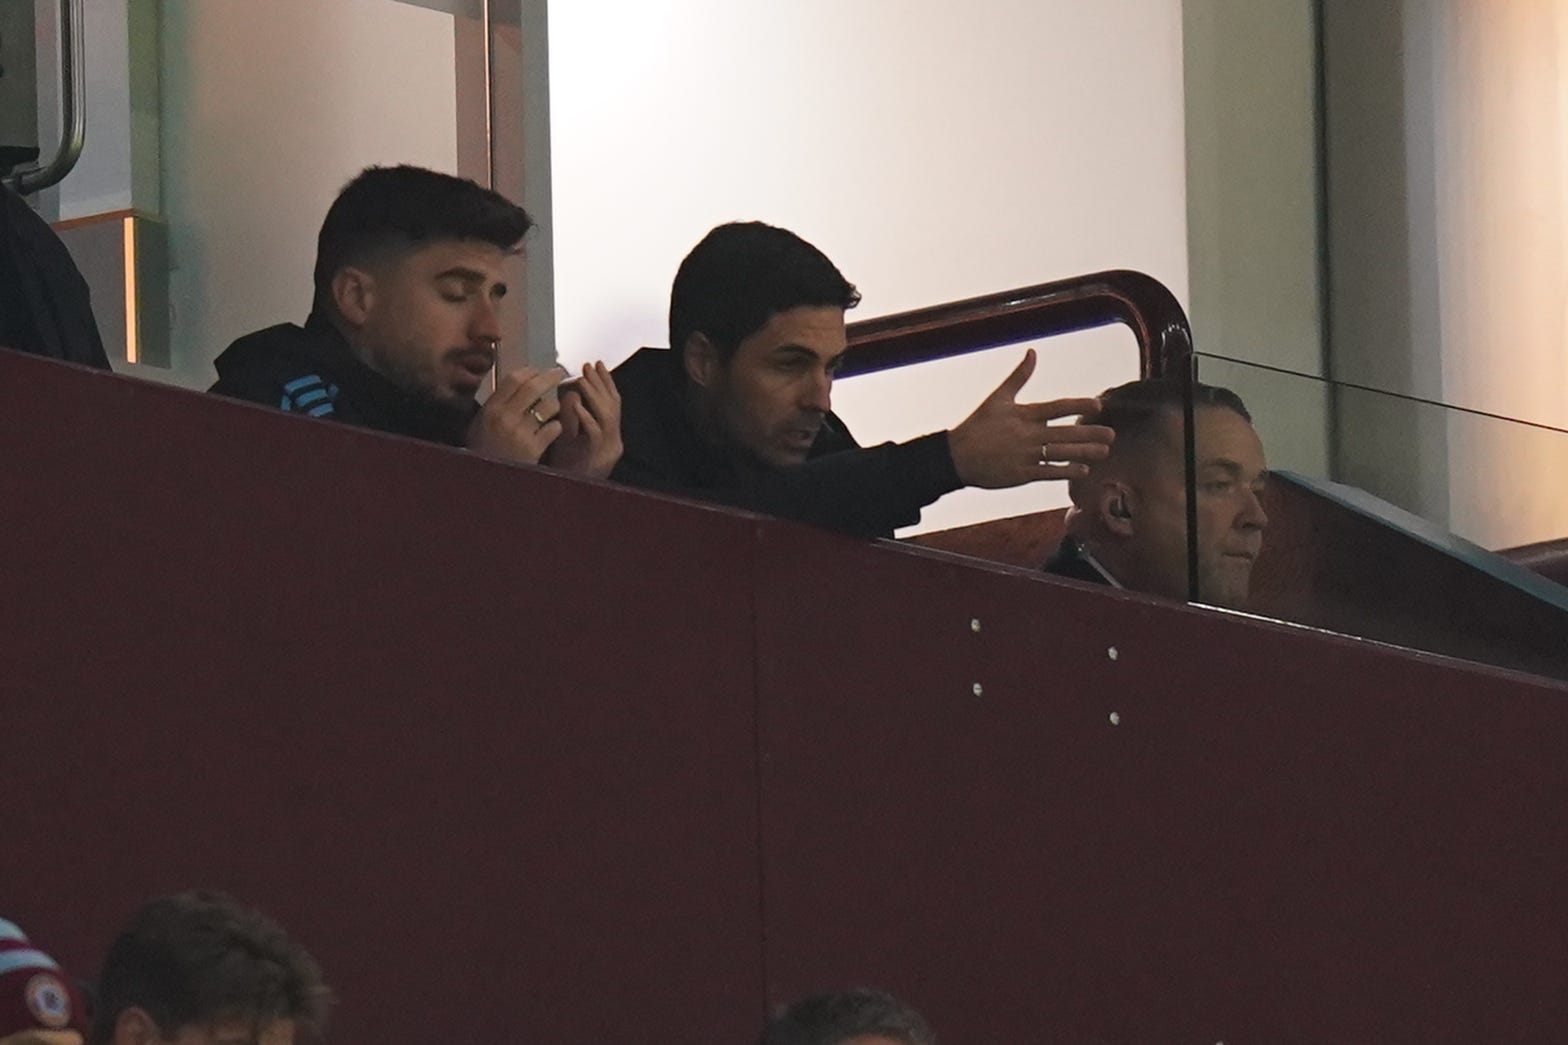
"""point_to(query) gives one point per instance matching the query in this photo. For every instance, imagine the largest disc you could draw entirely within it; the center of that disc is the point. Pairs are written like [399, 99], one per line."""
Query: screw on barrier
[1112, 652]
[978, 689]
[1116, 720]
[974, 624]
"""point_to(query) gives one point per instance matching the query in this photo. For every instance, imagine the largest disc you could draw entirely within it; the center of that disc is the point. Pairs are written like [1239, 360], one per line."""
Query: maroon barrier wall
[1285, 837]
[439, 715]
[545, 760]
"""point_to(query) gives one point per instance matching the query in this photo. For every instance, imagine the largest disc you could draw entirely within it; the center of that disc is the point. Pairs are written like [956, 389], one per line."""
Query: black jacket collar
[283, 353]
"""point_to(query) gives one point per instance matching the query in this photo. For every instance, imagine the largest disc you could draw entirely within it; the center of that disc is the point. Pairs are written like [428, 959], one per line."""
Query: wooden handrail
[1140, 301]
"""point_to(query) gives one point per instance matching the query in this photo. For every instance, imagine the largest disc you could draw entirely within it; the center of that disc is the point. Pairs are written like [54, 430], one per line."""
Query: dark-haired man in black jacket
[404, 328]
[739, 410]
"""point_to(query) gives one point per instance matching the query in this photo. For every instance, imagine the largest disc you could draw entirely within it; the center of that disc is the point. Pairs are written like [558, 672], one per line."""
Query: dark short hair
[1132, 409]
[740, 276]
[827, 1019]
[199, 957]
[398, 208]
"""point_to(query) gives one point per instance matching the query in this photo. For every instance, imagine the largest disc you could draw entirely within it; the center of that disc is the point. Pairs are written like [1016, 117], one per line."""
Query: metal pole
[73, 107]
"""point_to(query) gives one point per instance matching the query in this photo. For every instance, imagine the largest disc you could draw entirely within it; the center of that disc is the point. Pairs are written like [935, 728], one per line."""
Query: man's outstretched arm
[872, 492]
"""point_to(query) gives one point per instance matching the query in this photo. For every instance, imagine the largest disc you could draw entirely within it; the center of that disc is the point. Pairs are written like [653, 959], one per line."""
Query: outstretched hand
[590, 442]
[518, 422]
[1008, 443]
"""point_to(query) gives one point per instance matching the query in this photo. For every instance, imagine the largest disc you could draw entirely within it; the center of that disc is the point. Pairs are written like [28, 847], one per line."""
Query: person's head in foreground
[410, 269]
[757, 329]
[38, 1003]
[1130, 512]
[199, 969]
[853, 1017]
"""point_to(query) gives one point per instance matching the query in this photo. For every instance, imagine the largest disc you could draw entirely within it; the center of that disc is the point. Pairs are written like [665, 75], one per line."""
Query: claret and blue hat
[35, 993]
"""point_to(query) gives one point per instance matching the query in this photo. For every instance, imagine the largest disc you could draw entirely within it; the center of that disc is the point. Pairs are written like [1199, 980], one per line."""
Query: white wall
[1448, 195]
[1500, 175]
[268, 109]
[933, 150]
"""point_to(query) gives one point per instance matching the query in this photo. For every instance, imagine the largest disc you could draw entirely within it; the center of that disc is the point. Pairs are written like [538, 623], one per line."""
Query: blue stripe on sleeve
[299, 384]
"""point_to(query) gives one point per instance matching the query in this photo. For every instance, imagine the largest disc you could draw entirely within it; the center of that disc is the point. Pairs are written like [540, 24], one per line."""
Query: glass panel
[1403, 520]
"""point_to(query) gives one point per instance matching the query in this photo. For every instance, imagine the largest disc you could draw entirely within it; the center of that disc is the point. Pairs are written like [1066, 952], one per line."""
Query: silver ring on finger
[533, 412]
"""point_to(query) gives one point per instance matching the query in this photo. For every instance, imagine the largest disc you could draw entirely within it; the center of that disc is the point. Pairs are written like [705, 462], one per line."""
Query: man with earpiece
[1128, 523]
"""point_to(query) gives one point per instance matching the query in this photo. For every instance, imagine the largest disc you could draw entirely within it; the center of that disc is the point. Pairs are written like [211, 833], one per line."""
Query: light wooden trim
[95, 219]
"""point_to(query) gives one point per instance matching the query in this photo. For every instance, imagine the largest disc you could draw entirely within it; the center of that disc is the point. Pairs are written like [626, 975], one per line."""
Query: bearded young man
[404, 329]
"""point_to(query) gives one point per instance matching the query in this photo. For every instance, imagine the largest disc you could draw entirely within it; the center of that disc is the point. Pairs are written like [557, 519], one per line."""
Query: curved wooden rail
[1140, 301]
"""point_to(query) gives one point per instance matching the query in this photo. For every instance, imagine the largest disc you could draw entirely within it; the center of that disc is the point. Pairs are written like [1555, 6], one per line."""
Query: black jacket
[863, 492]
[1069, 561]
[310, 370]
[45, 306]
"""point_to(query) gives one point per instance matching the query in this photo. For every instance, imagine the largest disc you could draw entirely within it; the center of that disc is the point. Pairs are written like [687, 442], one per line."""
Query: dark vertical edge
[1325, 259]
[487, 94]
[537, 174]
[1189, 380]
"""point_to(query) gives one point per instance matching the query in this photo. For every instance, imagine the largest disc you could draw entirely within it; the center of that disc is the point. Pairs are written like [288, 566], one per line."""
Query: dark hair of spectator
[1131, 409]
[392, 209]
[740, 276]
[197, 958]
[839, 1016]
[1134, 412]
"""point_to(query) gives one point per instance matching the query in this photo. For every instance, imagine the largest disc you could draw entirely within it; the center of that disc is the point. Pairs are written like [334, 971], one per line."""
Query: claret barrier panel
[526, 758]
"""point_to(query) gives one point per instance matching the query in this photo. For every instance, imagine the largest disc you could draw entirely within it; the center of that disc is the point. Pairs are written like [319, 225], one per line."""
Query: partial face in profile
[427, 319]
[1146, 510]
[770, 398]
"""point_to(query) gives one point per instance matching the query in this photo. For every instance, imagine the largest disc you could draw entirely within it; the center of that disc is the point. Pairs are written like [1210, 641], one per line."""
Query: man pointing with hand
[739, 410]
